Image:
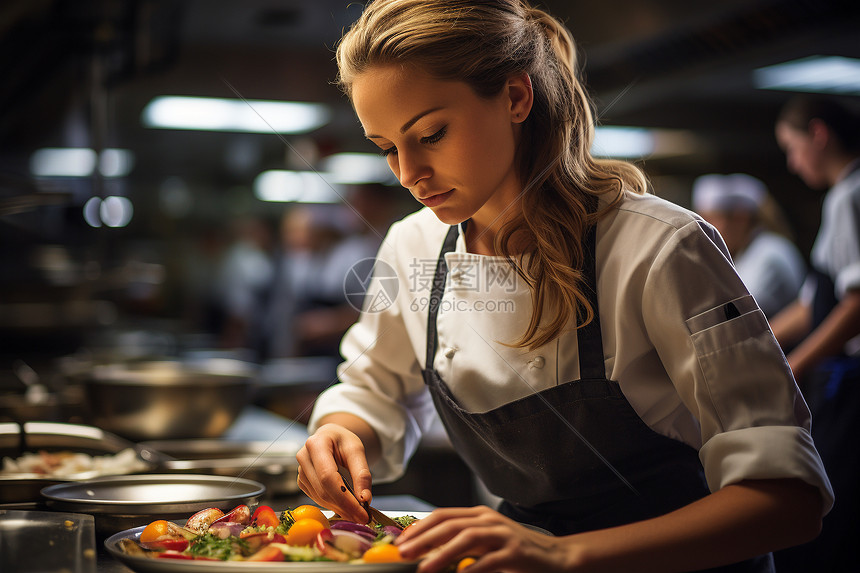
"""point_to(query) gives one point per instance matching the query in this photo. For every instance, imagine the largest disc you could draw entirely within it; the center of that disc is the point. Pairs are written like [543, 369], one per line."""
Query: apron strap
[436, 293]
[589, 338]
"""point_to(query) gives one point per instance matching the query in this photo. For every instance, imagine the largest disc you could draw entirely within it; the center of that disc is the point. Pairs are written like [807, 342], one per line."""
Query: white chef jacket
[664, 279]
[836, 250]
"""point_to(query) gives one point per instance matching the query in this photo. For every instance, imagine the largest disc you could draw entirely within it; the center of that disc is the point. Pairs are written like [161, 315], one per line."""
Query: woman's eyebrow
[409, 123]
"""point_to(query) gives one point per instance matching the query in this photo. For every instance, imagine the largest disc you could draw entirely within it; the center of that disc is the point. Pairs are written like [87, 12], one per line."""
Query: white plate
[147, 565]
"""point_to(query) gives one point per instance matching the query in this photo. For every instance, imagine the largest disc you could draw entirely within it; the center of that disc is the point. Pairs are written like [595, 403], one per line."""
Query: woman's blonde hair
[483, 43]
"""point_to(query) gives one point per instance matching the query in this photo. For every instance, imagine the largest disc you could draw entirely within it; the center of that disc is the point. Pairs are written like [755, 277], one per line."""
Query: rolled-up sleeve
[727, 367]
[380, 380]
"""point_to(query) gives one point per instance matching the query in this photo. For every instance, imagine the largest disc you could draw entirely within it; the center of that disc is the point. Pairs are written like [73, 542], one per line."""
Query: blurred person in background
[244, 274]
[821, 140]
[301, 283]
[324, 246]
[739, 206]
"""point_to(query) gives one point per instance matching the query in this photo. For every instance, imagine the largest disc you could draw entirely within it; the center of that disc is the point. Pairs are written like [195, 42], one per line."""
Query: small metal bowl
[158, 400]
[123, 502]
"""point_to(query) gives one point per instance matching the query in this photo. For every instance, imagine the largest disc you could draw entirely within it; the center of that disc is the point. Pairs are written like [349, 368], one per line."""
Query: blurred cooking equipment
[271, 463]
[168, 399]
[123, 502]
[37, 541]
[27, 396]
[22, 490]
[290, 386]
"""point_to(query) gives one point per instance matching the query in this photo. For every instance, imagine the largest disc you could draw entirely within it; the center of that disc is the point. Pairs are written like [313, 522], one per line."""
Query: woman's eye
[387, 152]
[435, 137]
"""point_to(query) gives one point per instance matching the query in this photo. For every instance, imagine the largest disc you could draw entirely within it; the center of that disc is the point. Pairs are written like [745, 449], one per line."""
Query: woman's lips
[434, 200]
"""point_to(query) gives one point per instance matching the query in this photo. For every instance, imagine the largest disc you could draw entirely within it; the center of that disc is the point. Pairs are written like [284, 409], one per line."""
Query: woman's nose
[411, 168]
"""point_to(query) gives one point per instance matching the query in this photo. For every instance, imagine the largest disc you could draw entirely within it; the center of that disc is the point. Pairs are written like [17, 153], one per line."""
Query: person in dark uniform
[821, 140]
[591, 351]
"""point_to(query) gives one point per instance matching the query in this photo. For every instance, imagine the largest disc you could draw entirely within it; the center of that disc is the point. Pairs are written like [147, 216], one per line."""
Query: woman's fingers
[319, 477]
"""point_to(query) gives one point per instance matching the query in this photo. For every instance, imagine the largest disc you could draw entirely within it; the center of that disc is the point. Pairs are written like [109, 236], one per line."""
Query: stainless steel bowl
[122, 502]
[157, 400]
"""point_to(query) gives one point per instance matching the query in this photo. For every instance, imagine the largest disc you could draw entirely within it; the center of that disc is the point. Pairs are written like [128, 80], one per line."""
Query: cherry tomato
[265, 516]
[385, 553]
[310, 512]
[304, 532]
[153, 531]
[465, 562]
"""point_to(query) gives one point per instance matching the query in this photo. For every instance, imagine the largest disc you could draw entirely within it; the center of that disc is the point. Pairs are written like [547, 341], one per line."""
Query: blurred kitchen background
[118, 215]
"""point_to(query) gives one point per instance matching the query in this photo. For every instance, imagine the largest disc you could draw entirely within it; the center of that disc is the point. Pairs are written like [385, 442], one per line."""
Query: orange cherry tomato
[265, 516]
[310, 512]
[385, 553]
[465, 562]
[304, 532]
[153, 531]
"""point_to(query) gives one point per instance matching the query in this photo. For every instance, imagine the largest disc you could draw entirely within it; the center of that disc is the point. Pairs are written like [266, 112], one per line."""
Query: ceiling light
[296, 186]
[622, 142]
[356, 169]
[80, 162]
[218, 114]
[818, 74]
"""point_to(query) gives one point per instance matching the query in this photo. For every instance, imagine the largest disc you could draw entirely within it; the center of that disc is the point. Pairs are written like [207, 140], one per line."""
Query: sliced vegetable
[225, 529]
[267, 553]
[201, 520]
[265, 516]
[355, 528]
[255, 541]
[239, 514]
[351, 543]
[325, 543]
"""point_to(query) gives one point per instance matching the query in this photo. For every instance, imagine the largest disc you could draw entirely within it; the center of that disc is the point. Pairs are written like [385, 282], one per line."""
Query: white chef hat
[737, 191]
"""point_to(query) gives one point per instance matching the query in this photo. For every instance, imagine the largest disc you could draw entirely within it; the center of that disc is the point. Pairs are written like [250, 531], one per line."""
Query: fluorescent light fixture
[356, 168]
[296, 186]
[817, 74]
[80, 162]
[622, 142]
[219, 114]
[112, 211]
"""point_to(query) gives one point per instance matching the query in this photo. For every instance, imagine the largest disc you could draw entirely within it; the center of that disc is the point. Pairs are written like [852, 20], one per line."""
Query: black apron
[832, 391]
[555, 457]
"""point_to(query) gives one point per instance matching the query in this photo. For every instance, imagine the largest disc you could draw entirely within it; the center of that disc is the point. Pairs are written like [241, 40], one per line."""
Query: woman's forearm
[735, 523]
[842, 324]
[792, 323]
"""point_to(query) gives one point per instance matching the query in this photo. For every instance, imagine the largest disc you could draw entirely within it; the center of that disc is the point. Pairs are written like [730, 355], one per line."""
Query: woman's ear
[521, 97]
[819, 133]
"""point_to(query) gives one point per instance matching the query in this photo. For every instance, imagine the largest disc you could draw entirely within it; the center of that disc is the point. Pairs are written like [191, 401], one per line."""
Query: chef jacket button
[450, 352]
[537, 362]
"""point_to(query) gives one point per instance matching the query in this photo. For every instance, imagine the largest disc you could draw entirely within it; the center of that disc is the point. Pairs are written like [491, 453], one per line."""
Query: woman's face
[803, 157]
[452, 149]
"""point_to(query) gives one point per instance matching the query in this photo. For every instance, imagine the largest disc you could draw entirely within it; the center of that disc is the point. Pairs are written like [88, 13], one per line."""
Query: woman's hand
[498, 543]
[331, 446]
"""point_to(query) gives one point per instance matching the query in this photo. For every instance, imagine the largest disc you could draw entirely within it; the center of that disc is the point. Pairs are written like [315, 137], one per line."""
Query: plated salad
[300, 534]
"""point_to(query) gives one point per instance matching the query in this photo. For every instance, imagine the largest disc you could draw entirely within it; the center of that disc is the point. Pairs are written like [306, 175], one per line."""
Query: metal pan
[21, 490]
[123, 502]
[270, 463]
